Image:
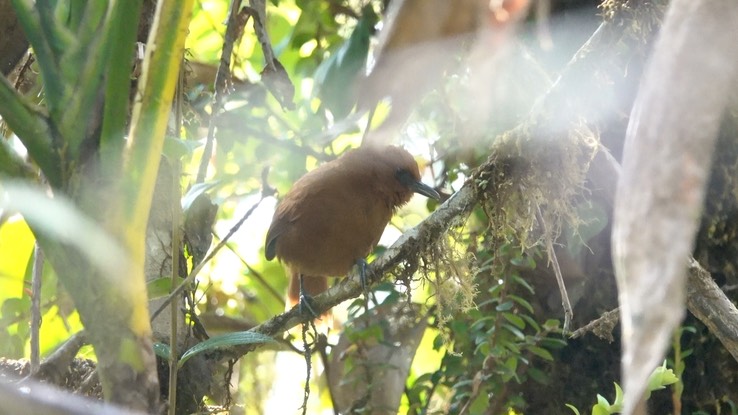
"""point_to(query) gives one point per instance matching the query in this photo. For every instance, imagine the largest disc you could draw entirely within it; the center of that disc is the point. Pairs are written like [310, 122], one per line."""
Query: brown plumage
[334, 215]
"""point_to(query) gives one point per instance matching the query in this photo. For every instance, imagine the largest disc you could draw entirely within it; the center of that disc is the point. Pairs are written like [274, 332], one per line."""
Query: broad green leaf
[514, 330]
[162, 350]
[516, 320]
[507, 305]
[541, 352]
[16, 247]
[60, 220]
[522, 302]
[336, 75]
[225, 340]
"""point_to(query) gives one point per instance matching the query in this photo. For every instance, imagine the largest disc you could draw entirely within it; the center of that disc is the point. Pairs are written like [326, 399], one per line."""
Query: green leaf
[661, 377]
[512, 363]
[531, 322]
[16, 257]
[602, 401]
[162, 350]
[337, 73]
[514, 330]
[541, 352]
[229, 339]
[617, 404]
[573, 409]
[522, 302]
[552, 324]
[516, 320]
[507, 305]
[159, 287]
[521, 281]
[600, 410]
[539, 376]
[60, 220]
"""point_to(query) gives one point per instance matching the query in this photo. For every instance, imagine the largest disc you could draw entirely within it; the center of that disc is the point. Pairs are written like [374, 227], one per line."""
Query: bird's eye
[404, 177]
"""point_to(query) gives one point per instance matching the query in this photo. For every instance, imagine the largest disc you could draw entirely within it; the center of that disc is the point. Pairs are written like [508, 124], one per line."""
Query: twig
[174, 249]
[321, 344]
[602, 327]
[36, 281]
[568, 313]
[220, 87]
[712, 307]
[309, 324]
[56, 365]
[26, 66]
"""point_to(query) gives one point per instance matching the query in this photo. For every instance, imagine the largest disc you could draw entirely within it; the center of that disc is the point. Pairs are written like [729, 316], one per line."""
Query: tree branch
[37, 398]
[712, 307]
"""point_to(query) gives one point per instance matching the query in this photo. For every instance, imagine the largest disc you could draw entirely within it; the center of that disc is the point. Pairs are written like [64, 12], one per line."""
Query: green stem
[117, 84]
[31, 127]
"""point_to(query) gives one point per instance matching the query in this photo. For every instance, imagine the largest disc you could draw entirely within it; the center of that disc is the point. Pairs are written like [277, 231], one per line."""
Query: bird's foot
[304, 301]
[362, 265]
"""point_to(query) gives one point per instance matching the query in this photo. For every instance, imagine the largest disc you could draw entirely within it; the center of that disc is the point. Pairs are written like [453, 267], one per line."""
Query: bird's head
[399, 176]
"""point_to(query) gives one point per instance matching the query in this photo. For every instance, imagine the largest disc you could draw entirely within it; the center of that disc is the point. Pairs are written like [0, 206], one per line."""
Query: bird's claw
[304, 303]
[304, 306]
[362, 265]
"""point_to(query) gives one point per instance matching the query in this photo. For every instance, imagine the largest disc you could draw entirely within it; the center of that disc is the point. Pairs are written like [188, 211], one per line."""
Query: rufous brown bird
[334, 215]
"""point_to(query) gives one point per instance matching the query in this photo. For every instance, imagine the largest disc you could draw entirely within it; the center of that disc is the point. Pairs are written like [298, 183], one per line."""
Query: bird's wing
[280, 222]
[285, 215]
[270, 249]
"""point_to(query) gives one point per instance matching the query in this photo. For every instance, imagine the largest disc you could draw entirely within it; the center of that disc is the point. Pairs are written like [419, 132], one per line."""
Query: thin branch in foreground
[36, 280]
[233, 27]
[37, 398]
[568, 312]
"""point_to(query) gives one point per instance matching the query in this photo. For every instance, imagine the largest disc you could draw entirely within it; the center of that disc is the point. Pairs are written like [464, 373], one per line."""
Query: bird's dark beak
[425, 190]
[416, 186]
